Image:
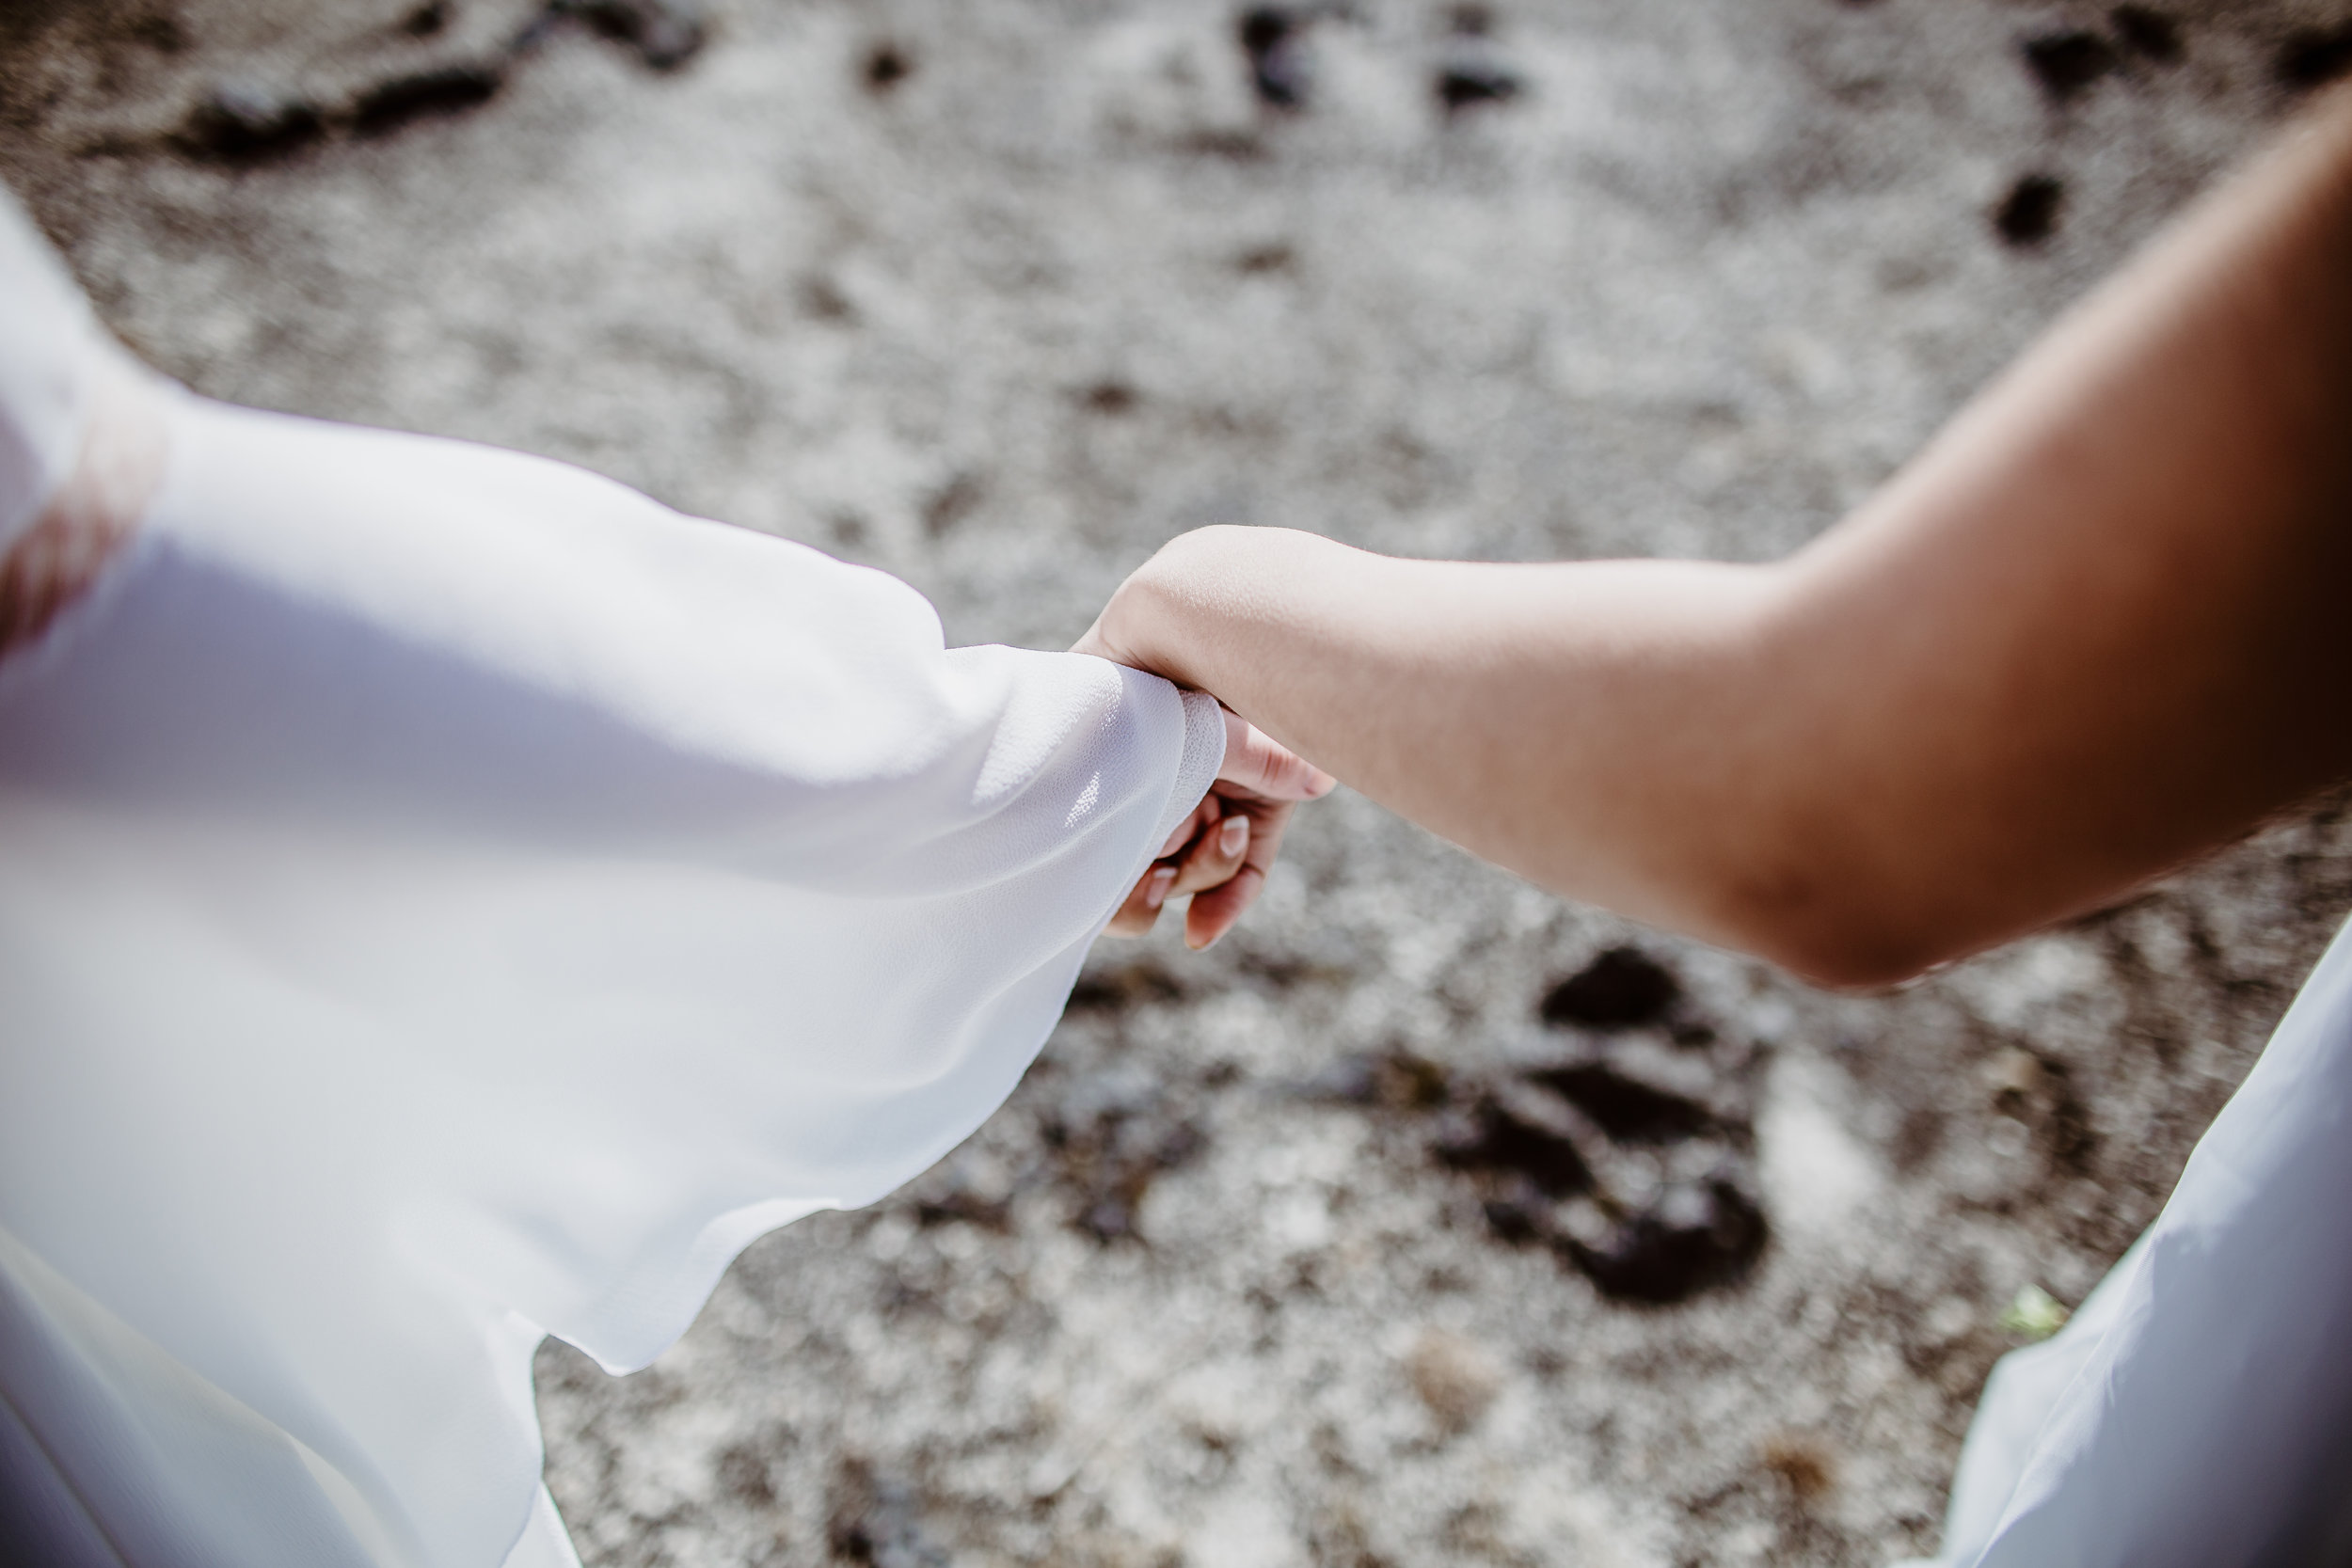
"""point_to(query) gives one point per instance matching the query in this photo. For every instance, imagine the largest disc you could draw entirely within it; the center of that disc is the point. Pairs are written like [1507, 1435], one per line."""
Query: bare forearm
[2094, 630]
[1565, 721]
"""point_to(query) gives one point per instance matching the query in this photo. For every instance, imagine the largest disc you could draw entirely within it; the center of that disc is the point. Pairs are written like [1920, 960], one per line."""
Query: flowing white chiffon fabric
[447, 898]
[2197, 1412]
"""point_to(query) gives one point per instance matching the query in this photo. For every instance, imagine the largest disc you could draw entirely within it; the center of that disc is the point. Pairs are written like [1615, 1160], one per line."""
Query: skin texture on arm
[2096, 627]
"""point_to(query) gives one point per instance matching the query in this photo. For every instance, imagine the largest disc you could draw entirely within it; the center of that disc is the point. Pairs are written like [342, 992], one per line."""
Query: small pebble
[1468, 82]
[1455, 1377]
[1275, 40]
[1804, 1464]
[426, 20]
[2028, 214]
[244, 122]
[2066, 64]
[887, 66]
[664, 33]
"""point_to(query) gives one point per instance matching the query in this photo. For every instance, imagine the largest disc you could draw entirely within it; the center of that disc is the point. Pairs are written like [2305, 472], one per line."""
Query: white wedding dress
[447, 898]
[2196, 1411]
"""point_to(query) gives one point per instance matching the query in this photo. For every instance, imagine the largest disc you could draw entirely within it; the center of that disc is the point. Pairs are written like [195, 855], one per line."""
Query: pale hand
[1220, 854]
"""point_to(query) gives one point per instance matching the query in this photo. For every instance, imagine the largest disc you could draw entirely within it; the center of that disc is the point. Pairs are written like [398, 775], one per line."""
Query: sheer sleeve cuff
[1204, 753]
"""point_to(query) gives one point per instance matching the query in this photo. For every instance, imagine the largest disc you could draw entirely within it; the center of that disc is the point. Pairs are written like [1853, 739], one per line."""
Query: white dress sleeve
[47, 346]
[446, 898]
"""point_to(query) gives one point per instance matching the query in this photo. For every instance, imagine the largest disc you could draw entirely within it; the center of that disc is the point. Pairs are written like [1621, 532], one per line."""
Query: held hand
[1221, 852]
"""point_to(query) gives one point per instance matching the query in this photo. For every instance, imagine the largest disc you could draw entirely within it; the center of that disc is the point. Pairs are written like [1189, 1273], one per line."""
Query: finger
[1257, 760]
[1141, 911]
[1208, 810]
[1214, 912]
[1269, 821]
[1216, 856]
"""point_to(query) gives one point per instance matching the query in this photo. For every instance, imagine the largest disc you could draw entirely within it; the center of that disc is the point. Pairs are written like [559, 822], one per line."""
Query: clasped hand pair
[1220, 854]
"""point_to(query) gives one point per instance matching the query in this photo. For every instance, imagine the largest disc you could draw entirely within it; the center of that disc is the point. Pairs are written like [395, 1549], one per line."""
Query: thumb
[1256, 761]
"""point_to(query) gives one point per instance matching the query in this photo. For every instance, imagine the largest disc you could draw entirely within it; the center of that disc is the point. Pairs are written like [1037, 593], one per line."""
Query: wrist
[1183, 613]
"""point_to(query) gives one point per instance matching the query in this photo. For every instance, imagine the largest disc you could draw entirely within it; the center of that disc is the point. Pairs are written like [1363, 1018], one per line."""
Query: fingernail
[1325, 783]
[1234, 835]
[1155, 891]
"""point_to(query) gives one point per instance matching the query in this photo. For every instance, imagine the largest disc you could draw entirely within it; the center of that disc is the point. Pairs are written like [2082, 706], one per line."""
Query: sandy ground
[1376, 1237]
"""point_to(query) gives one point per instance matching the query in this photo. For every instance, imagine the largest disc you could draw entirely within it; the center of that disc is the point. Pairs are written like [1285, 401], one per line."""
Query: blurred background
[1429, 1219]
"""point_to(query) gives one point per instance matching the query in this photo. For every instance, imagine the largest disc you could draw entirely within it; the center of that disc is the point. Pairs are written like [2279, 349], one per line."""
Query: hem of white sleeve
[1204, 753]
[545, 1541]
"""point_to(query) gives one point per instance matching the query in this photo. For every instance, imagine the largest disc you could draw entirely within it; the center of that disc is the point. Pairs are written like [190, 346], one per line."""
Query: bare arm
[2098, 627]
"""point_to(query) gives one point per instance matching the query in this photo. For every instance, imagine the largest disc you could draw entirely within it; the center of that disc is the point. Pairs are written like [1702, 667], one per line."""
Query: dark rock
[961, 1205]
[1626, 1109]
[402, 102]
[1622, 989]
[427, 20]
[1504, 1139]
[1697, 1236]
[2066, 64]
[2314, 57]
[665, 34]
[1514, 1220]
[239, 122]
[2028, 214]
[887, 66]
[1468, 82]
[1552, 1153]
[968, 1189]
[2148, 33]
[1275, 40]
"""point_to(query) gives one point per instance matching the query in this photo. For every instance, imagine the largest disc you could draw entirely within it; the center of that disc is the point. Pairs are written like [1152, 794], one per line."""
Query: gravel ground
[1431, 1219]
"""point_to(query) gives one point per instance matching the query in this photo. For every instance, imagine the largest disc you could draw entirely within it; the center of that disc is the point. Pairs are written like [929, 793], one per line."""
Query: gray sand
[998, 295]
